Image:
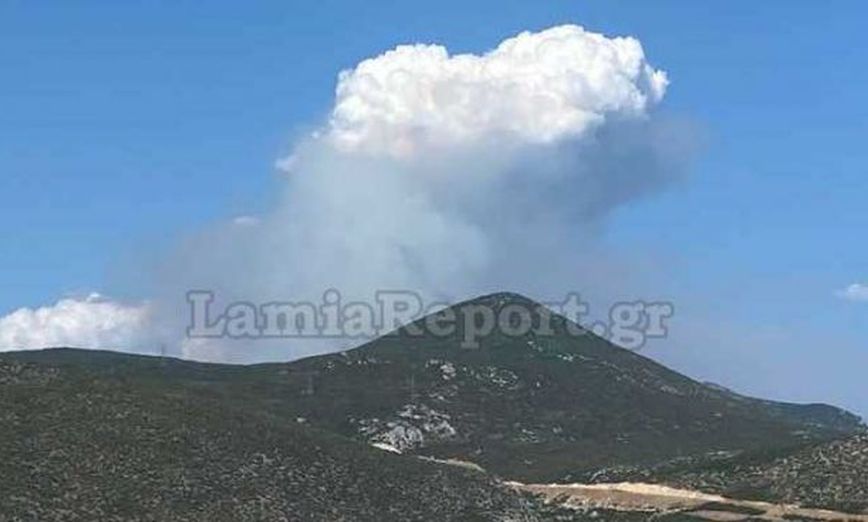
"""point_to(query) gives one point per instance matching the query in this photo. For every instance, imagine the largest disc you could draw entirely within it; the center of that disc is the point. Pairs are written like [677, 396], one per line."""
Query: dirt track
[655, 498]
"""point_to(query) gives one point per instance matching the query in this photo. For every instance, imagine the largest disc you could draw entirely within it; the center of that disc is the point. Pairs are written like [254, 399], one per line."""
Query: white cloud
[89, 322]
[534, 87]
[854, 292]
[245, 221]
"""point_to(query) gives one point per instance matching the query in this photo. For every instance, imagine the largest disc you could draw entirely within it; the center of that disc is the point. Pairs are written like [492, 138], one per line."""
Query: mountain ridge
[533, 408]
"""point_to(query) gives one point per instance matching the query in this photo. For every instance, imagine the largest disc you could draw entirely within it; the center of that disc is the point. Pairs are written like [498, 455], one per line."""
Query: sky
[125, 127]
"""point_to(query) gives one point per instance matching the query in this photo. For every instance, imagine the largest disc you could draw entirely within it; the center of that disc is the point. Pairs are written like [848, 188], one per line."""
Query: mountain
[109, 433]
[536, 408]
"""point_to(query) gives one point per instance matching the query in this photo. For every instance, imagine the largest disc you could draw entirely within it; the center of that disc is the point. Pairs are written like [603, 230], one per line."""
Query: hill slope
[529, 408]
[533, 408]
[830, 475]
[77, 444]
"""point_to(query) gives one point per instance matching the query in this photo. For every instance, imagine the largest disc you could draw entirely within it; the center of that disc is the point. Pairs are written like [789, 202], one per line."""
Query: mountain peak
[499, 300]
[503, 297]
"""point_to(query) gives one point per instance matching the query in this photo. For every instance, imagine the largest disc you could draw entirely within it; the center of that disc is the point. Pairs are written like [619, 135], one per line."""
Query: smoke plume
[445, 174]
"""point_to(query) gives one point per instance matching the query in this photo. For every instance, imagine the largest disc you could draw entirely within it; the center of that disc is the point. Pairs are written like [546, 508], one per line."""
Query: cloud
[854, 292]
[245, 221]
[89, 322]
[535, 87]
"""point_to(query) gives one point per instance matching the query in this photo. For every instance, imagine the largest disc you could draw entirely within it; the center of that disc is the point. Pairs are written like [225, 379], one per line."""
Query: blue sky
[126, 125]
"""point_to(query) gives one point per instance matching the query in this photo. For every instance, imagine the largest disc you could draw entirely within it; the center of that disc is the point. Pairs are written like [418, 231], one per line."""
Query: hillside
[118, 435]
[554, 408]
[78, 447]
[831, 475]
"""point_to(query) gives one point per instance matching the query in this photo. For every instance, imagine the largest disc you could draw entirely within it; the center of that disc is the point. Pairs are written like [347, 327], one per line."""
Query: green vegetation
[103, 436]
[78, 447]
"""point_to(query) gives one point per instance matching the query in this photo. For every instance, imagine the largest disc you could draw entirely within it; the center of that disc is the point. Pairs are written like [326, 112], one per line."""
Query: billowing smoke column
[446, 175]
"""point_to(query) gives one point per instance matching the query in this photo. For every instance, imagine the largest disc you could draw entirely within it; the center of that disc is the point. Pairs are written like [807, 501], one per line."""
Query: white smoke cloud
[854, 292]
[89, 322]
[535, 87]
[450, 176]
[447, 175]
